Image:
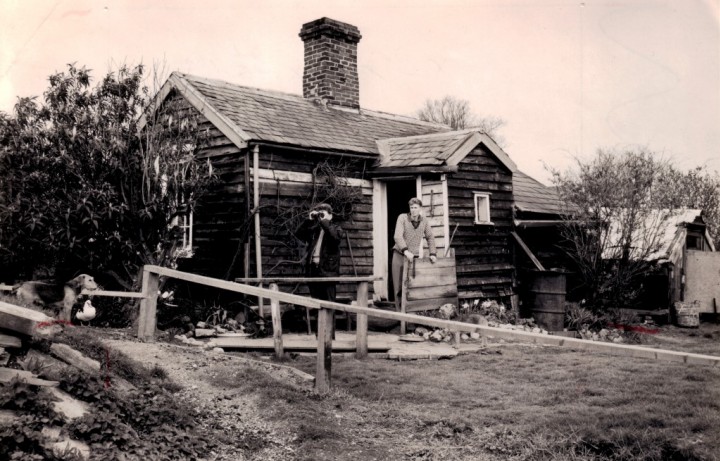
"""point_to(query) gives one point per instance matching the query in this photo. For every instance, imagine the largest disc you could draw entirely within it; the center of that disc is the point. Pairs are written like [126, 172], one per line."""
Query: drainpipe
[256, 203]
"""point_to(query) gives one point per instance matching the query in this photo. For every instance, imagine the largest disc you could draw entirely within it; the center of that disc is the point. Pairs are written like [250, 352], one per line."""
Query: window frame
[476, 206]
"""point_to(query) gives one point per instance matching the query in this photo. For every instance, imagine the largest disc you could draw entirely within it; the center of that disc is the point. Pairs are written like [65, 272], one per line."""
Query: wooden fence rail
[148, 313]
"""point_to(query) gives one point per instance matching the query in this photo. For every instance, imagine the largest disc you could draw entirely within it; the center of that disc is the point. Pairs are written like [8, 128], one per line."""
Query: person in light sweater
[410, 229]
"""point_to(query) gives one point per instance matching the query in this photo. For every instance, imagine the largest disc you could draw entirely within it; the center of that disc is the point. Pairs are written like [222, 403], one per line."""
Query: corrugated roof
[657, 231]
[291, 119]
[534, 197]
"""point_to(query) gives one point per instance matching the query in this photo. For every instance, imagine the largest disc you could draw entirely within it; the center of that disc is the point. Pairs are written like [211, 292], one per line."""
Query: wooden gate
[427, 286]
[702, 280]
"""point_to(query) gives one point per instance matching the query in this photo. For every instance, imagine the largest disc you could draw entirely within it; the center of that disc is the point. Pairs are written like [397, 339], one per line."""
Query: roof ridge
[433, 135]
[299, 98]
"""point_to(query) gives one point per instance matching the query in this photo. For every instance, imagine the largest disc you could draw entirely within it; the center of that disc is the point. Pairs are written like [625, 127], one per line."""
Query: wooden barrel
[546, 299]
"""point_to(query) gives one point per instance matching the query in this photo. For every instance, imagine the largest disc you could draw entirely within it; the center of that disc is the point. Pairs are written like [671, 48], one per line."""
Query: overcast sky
[568, 77]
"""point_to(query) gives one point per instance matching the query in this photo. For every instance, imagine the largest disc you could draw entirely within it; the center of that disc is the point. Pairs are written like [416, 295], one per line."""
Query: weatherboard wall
[483, 252]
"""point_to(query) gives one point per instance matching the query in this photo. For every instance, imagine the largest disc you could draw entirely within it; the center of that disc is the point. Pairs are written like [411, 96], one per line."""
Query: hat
[324, 207]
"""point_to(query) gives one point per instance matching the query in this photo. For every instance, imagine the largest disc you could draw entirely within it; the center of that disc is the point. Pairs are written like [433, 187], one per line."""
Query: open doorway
[399, 192]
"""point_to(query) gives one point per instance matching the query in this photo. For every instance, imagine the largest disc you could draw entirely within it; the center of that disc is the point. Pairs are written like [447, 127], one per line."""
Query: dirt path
[225, 411]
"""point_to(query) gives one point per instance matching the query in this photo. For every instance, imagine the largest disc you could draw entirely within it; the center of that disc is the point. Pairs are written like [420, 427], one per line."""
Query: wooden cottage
[276, 154]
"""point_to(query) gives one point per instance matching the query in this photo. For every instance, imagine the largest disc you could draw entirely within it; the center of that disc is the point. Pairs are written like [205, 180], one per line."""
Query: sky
[569, 77]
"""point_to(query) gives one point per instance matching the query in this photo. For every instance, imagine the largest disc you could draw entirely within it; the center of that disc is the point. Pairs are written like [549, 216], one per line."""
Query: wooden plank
[361, 334]
[92, 367]
[429, 304]
[148, 305]
[26, 321]
[429, 280]
[8, 374]
[368, 278]
[9, 341]
[324, 352]
[276, 322]
[441, 291]
[114, 294]
[308, 343]
[536, 338]
[527, 251]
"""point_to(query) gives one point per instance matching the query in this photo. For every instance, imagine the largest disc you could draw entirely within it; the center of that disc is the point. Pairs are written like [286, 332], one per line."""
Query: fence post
[276, 322]
[324, 351]
[148, 305]
[361, 336]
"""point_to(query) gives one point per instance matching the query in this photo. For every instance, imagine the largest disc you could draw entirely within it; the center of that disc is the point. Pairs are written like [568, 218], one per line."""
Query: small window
[694, 242]
[184, 222]
[482, 208]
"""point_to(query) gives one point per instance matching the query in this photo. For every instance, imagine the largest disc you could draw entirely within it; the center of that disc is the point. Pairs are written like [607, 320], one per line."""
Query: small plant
[578, 317]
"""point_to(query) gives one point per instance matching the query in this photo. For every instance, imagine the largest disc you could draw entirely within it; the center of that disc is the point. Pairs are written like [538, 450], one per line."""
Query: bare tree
[617, 215]
[456, 113]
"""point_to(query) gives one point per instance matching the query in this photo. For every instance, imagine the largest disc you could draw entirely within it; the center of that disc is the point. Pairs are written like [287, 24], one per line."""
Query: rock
[464, 336]
[475, 335]
[448, 311]
[218, 349]
[421, 331]
[205, 333]
[603, 333]
[535, 330]
[426, 335]
[618, 340]
[436, 336]
[201, 325]
[220, 330]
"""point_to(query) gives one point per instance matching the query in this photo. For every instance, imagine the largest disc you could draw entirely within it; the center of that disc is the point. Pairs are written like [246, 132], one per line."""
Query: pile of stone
[610, 335]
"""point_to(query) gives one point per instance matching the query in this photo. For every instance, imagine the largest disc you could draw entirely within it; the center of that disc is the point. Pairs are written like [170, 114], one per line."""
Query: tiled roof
[284, 118]
[437, 149]
[534, 197]
[427, 150]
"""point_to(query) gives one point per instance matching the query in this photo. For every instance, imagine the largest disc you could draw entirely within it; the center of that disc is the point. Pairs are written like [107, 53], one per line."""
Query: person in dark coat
[323, 238]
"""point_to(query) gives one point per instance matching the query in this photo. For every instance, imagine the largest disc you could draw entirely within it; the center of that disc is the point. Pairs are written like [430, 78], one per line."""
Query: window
[482, 208]
[184, 222]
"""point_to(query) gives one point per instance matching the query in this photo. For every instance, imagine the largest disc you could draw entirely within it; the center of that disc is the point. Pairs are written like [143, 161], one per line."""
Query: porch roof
[436, 149]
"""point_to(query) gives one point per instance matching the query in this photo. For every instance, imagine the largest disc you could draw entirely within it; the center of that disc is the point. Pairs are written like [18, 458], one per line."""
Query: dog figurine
[61, 298]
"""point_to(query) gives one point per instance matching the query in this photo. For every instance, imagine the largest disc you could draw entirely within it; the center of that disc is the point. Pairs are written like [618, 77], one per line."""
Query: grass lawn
[508, 402]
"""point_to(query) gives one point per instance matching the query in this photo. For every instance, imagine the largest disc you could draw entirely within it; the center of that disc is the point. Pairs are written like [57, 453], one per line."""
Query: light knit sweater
[407, 237]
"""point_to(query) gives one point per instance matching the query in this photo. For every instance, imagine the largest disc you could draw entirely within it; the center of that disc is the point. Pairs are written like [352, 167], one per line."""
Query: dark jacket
[308, 232]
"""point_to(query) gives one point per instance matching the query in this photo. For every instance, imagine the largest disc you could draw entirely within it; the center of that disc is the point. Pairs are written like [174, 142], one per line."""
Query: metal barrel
[546, 299]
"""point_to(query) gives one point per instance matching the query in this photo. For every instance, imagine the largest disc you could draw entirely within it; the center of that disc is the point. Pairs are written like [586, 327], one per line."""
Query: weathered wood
[113, 294]
[8, 374]
[148, 305]
[324, 352]
[10, 341]
[440, 291]
[429, 304]
[276, 322]
[26, 321]
[527, 251]
[306, 279]
[92, 367]
[299, 343]
[403, 294]
[361, 334]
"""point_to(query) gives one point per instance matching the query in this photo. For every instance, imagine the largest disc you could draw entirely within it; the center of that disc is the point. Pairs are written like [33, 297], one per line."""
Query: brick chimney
[331, 62]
